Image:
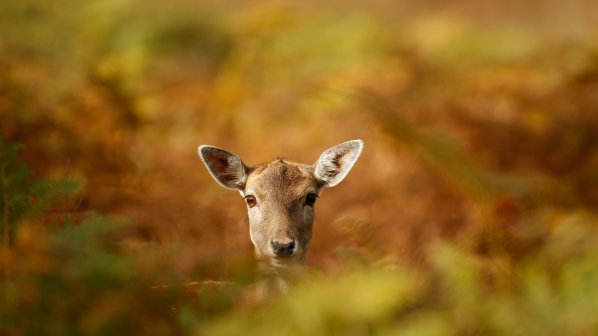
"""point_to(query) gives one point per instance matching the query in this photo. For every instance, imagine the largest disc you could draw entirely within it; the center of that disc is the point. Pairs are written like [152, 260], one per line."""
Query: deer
[280, 196]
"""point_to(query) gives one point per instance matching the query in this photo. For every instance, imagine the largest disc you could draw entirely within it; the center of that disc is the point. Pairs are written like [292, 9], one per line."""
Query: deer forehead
[281, 181]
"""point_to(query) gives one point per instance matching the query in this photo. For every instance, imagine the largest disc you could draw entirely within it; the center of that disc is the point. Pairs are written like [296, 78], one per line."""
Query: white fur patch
[335, 163]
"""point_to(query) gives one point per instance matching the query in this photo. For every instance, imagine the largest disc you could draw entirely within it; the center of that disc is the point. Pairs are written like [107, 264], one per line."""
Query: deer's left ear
[335, 163]
[225, 167]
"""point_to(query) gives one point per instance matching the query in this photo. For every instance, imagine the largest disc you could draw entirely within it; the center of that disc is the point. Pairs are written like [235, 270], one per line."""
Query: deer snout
[283, 248]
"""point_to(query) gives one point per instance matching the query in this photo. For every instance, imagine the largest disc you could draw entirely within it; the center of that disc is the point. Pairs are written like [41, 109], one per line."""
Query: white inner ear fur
[225, 167]
[236, 170]
[335, 163]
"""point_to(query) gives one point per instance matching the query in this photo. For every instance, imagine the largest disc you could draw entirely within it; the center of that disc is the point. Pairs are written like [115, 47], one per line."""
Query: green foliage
[23, 198]
[76, 281]
[353, 303]
[67, 278]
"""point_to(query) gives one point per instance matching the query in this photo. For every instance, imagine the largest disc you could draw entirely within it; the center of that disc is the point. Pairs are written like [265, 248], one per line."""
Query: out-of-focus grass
[77, 280]
[461, 293]
[471, 211]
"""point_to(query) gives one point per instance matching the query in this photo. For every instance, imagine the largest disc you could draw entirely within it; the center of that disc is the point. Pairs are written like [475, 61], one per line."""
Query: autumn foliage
[471, 211]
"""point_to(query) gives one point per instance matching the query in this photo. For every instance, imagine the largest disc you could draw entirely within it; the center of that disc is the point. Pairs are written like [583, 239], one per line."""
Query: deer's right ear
[225, 167]
[336, 162]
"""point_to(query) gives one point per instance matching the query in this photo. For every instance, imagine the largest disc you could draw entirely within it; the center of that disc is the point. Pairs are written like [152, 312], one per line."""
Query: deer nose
[283, 249]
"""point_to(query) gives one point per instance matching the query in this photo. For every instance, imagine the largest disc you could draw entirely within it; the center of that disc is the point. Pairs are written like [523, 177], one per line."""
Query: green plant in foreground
[77, 280]
[21, 197]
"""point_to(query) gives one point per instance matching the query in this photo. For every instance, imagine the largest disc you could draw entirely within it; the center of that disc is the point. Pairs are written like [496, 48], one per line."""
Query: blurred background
[480, 122]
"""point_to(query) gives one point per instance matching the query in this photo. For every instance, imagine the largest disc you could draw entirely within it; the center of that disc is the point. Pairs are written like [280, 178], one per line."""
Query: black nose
[283, 249]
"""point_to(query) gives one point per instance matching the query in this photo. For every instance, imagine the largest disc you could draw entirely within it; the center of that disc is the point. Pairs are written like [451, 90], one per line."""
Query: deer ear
[335, 163]
[225, 167]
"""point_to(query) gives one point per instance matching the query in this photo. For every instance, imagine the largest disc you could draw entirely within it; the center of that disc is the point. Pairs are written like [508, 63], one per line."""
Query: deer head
[281, 196]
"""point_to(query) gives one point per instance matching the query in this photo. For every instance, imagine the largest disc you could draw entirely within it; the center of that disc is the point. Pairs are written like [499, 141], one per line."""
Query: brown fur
[277, 194]
[280, 188]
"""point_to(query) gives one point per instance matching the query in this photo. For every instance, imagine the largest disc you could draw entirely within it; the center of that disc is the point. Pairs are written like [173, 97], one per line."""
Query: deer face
[280, 199]
[281, 196]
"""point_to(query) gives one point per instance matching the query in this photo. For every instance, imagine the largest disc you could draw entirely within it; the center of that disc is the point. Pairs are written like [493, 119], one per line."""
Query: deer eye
[310, 199]
[250, 200]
